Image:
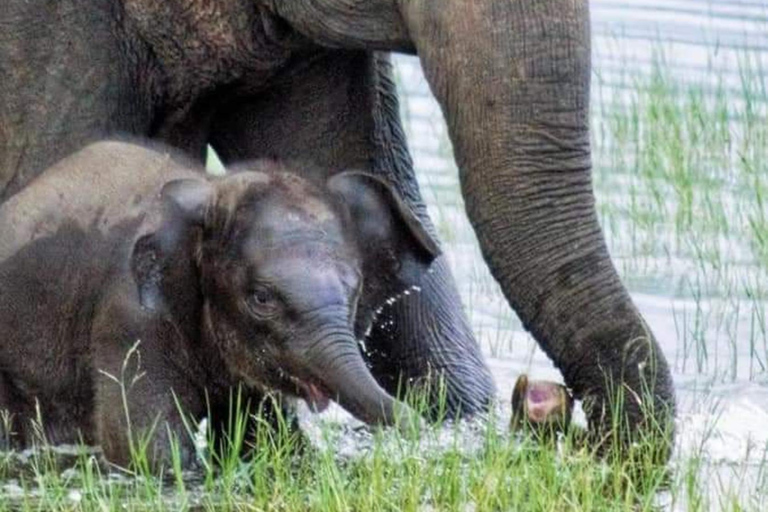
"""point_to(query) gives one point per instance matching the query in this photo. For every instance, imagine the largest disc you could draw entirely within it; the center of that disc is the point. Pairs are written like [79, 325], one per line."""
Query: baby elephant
[131, 285]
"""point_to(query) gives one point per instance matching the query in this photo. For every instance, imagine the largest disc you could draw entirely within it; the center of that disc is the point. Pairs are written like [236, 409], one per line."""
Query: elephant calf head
[285, 269]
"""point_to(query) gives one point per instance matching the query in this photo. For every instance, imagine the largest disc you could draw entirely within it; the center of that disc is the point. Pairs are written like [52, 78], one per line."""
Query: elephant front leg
[10, 436]
[340, 110]
[245, 420]
[513, 80]
[138, 411]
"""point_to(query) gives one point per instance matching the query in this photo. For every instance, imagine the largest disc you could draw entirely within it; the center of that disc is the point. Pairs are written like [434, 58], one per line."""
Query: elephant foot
[542, 406]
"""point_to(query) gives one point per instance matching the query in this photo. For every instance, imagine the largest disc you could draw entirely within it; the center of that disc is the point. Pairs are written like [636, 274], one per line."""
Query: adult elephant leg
[339, 109]
[513, 80]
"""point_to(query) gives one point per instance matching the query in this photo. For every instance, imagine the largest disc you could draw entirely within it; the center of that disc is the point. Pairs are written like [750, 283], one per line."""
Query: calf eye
[263, 301]
[262, 296]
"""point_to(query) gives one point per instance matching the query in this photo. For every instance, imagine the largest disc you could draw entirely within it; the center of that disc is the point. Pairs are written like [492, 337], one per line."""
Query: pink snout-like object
[540, 403]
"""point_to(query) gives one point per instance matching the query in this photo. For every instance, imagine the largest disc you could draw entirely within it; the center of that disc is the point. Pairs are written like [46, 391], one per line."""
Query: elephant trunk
[334, 359]
[513, 81]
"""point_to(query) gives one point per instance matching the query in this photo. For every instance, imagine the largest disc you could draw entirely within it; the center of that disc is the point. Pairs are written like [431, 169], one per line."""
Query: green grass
[465, 466]
[450, 467]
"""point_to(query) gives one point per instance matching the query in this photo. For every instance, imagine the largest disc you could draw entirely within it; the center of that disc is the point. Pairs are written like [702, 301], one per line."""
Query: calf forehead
[300, 198]
[296, 252]
[296, 212]
[280, 210]
[292, 213]
[310, 283]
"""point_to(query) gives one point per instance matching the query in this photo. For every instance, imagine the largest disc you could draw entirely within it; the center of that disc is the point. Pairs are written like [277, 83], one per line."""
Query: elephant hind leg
[425, 339]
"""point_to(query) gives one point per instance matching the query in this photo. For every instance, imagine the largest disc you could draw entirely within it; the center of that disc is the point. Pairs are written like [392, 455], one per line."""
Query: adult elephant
[304, 78]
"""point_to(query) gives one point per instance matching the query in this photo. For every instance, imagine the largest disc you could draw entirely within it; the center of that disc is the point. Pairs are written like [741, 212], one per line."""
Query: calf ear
[163, 262]
[381, 217]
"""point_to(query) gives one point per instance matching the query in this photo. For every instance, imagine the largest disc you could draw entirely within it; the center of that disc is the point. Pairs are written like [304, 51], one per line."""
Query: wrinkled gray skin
[258, 278]
[292, 78]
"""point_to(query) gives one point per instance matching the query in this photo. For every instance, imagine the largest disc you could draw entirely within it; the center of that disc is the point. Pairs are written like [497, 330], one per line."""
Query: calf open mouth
[311, 390]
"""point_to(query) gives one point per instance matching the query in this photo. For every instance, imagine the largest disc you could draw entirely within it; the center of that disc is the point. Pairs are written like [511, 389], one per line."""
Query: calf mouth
[315, 394]
[311, 390]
